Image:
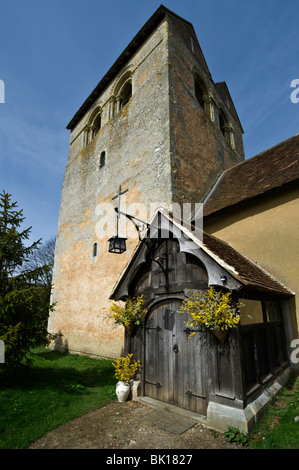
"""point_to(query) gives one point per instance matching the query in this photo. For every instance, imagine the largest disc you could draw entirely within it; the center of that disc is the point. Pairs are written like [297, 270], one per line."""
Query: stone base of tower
[88, 346]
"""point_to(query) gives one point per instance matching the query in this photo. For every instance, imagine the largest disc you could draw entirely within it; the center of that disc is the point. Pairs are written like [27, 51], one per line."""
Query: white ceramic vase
[122, 391]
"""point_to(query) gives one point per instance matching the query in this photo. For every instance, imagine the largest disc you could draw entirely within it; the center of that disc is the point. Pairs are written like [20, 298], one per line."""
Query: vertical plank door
[175, 366]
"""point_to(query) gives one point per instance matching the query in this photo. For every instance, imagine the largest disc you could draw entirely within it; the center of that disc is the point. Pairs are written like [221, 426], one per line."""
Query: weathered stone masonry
[152, 126]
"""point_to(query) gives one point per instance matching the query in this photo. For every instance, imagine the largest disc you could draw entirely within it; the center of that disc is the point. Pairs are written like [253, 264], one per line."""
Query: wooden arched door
[175, 365]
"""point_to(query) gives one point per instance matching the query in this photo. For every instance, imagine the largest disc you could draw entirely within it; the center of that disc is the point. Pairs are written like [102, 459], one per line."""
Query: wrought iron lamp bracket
[141, 229]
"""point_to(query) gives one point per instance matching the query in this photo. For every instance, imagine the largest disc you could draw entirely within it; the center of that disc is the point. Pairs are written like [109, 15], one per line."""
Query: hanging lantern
[117, 245]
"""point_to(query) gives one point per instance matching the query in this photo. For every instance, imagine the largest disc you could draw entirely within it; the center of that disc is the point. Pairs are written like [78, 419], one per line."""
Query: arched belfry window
[125, 93]
[97, 124]
[222, 122]
[225, 128]
[200, 90]
[199, 94]
[93, 126]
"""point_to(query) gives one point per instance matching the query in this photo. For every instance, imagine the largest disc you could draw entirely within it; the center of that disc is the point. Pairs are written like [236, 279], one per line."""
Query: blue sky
[53, 54]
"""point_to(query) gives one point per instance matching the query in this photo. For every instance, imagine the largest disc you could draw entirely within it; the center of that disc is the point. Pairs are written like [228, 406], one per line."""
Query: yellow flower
[211, 309]
[125, 369]
[132, 311]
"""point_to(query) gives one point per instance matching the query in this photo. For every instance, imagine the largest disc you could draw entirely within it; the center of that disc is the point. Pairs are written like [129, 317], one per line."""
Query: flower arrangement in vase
[125, 370]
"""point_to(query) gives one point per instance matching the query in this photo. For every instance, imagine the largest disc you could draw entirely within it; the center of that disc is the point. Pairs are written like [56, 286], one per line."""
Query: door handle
[176, 348]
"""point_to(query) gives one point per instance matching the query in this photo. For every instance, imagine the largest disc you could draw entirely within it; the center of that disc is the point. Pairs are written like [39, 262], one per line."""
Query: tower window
[102, 159]
[125, 93]
[93, 126]
[222, 124]
[226, 129]
[199, 93]
[96, 126]
[95, 250]
[200, 90]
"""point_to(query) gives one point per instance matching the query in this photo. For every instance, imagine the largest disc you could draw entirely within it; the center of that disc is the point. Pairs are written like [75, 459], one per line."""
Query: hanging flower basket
[129, 314]
[130, 328]
[220, 334]
[214, 310]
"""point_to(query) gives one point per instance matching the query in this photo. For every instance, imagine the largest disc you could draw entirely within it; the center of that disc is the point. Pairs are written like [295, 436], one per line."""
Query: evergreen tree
[24, 307]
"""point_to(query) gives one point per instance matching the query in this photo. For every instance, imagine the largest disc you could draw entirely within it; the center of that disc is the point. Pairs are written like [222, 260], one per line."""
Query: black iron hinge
[157, 328]
[158, 385]
[190, 394]
[189, 331]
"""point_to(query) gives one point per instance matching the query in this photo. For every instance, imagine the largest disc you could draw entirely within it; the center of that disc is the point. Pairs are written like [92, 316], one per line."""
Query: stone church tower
[156, 125]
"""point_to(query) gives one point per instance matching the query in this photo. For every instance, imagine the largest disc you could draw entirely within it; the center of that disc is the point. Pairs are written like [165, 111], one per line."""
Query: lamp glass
[117, 245]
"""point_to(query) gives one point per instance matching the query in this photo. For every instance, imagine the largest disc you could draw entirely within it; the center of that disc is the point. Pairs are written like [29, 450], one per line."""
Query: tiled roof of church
[249, 273]
[268, 172]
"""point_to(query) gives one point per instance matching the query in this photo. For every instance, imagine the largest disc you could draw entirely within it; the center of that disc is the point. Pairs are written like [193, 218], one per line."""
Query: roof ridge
[267, 171]
[260, 154]
[273, 147]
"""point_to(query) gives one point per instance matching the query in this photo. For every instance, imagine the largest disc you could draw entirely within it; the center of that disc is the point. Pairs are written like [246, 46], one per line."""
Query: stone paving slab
[170, 421]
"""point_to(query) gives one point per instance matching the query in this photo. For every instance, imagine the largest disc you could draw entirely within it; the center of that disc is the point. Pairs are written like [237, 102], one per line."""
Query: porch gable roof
[252, 277]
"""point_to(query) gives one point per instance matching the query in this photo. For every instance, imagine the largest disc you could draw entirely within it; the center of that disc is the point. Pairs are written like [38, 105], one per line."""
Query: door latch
[176, 348]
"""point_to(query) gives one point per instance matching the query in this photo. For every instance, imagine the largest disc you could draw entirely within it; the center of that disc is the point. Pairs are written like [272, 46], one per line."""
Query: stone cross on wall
[118, 195]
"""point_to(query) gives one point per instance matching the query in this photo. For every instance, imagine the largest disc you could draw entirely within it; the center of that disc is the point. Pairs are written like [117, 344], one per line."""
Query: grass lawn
[55, 389]
[59, 387]
[278, 429]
